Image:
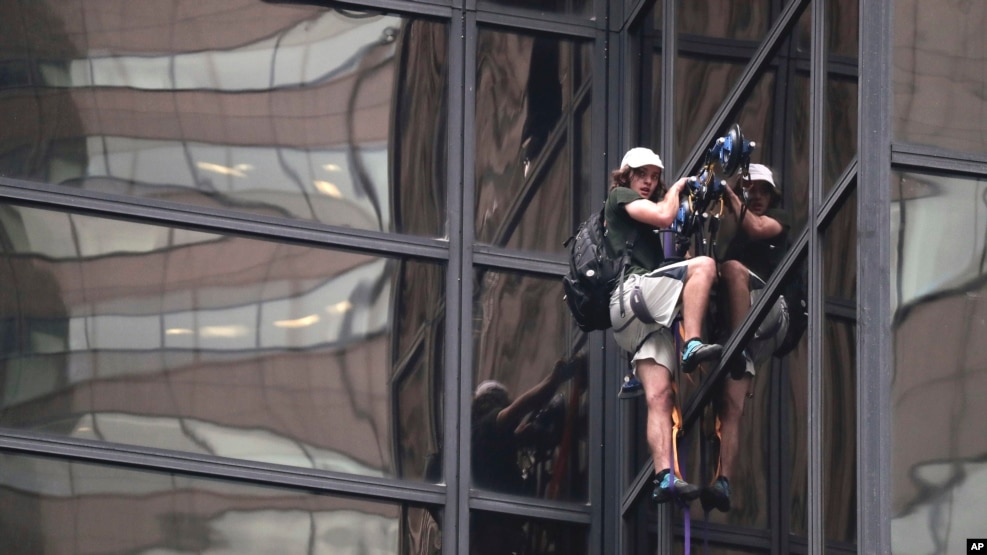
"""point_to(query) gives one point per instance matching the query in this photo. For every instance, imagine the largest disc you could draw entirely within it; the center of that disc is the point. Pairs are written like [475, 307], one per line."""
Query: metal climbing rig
[698, 217]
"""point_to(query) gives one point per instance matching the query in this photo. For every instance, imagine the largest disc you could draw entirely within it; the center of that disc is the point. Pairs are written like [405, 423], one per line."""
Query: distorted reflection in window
[583, 8]
[532, 94]
[528, 413]
[500, 533]
[49, 505]
[939, 301]
[938, 74]
[725, 19]
[279, 110]
[220, 345]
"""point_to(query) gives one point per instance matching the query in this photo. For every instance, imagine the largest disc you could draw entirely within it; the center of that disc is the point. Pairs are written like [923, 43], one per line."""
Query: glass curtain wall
[938, 213]
[749, 63]
[272, 275]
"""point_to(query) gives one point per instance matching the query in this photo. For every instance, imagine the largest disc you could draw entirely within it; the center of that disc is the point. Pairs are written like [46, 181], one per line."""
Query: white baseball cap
[641, 156]
[760, 172]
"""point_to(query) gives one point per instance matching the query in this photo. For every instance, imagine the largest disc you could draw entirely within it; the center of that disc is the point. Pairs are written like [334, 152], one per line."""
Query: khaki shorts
[650, 304]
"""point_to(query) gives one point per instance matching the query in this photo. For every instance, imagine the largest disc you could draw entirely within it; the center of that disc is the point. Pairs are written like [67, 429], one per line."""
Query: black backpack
[594, 270]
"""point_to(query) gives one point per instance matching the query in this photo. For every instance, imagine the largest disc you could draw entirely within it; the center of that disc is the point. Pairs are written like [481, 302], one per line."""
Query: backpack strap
[623, 266]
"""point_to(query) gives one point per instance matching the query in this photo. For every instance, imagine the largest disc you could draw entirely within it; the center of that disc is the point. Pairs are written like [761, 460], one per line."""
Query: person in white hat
[654, 292]
[754, 251]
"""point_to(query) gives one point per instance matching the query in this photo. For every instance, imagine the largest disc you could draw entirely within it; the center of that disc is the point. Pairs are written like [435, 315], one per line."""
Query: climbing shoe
[631, 387]
[669, 486]
[696, 352]
[716, 495]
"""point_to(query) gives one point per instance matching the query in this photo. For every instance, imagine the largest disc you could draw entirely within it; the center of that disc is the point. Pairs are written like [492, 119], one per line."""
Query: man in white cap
[654, 292]
[754, 251]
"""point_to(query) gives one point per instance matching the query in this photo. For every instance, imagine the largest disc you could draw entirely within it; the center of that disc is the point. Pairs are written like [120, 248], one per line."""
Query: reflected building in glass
[284, 276]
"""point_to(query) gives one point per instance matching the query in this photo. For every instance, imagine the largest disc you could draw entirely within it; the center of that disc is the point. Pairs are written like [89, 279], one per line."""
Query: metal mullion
[212, 467]
[598, 480]
[417, 7]
[221, 221]
[829, 207]
[533, 507]
[454, 431]
[816, 325]
[631, 15]
[669, 46]
[925, 158]
[615, 457]
[464, 314]
[554, 26]
[874, 332]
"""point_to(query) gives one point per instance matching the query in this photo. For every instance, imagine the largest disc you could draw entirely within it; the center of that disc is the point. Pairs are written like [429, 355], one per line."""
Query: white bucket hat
[641, 156]
[760, 172]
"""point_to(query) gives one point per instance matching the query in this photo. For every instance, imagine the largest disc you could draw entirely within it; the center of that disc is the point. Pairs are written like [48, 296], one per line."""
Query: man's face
[759, 197]
[644, 180]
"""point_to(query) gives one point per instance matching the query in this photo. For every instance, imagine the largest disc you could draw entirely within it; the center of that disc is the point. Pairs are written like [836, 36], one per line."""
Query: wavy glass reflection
[504, 534]
[290, 111]
[939, 301]
[219, 345]
[54, 506]
[938, 74]
[529, 409]
[533, 94]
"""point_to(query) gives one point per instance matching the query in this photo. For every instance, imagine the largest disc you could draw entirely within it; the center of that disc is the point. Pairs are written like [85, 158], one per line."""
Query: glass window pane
[220, 345]
[273, 109]
[840, 431]
[503, 534]
[840, 255]
[839, 377]
[939, 326]
[725, 19]
[939, 74]
[529, 408]
[54, 506]
[843, 28]
[532, 95]
[580, 8]
[841, 128]
[794, 425]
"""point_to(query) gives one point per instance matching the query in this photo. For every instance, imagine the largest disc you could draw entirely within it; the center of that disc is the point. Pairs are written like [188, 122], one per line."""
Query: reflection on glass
[219, 345]
[843, 26]
[841, 128]
[840, 431]
[794, 383]
[716, 78]
[840, 255]
[529, 408]
[53, 506]
[725, 19]
[715, 549]
[532, 97]
[581, 8]
[280, 110]
[841, 89]
[839, 378]
[737, 426]
[939, 74]
[499, 534]
[939, 302]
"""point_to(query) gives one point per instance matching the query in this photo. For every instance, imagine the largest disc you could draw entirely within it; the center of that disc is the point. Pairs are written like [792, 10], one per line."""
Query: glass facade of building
[284, 276]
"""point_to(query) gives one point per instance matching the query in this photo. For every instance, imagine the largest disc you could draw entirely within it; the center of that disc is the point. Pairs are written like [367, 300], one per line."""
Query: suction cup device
[732, 151]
